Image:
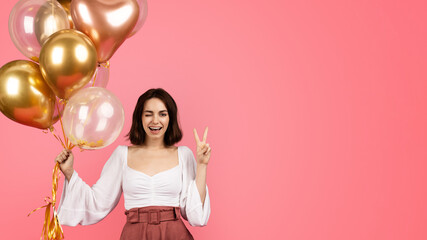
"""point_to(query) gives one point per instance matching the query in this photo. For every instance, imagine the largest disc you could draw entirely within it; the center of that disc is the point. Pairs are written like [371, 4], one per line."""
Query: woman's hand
[66, 160]
[203, 150]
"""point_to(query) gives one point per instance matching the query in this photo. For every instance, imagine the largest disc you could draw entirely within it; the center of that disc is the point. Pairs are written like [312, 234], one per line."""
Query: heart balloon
[143, 11]
[107, 22]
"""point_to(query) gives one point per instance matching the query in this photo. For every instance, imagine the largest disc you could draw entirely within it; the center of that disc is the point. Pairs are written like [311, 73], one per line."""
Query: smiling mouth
[155, 128]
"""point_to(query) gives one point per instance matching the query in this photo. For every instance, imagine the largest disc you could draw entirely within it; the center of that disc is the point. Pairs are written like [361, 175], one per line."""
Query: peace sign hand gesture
[203, 149]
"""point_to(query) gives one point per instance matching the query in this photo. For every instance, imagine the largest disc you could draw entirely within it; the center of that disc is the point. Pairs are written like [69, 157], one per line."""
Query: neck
[154, 143]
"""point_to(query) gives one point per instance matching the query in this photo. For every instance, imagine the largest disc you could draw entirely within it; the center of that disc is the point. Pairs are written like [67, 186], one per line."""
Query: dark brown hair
[173, 133]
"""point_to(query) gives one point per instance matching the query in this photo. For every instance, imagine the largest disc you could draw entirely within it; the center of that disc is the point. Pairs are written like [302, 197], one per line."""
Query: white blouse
[82, 204]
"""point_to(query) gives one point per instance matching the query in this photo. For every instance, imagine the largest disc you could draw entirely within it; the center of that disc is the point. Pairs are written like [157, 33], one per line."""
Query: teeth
[155, 128]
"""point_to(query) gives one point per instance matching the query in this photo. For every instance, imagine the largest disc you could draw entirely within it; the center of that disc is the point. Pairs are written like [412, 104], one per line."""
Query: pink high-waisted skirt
[155, 223]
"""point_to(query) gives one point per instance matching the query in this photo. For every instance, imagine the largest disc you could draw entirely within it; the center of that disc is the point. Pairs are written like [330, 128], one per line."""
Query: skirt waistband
[152, 214]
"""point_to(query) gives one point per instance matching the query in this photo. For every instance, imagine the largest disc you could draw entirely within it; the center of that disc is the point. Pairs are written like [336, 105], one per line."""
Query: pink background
[317, 113]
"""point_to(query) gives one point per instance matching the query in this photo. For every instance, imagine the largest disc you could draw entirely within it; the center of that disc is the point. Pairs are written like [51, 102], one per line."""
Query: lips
[155, 128]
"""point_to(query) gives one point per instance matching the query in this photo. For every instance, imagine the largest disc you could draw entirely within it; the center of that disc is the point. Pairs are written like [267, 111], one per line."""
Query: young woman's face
[155, 118]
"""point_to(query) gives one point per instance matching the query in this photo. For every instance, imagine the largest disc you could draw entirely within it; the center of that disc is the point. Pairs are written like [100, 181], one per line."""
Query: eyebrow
[149, 111]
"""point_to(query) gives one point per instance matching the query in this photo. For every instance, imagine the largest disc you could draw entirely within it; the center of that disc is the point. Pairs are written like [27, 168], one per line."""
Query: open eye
[163, 114]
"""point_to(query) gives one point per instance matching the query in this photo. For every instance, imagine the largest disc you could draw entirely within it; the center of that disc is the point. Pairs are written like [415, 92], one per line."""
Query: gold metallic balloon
[24, 95]
[66, 5]
[67, 62]
[106, 22]
[50, 18]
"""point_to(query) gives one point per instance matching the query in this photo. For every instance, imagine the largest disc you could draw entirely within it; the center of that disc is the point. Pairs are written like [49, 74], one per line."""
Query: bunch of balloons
[69, 44]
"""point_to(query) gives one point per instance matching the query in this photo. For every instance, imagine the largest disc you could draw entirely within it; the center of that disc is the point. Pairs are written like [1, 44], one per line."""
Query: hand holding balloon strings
[66, 161]
[64, 73]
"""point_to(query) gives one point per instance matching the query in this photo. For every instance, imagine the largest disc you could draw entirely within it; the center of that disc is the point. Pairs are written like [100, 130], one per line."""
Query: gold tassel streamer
[52, 229]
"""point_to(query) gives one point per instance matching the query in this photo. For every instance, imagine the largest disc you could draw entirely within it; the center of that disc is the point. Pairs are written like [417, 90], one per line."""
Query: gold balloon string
[52, 229]
[104, 65]
[68, 144]
[65, 144]
[94, 77]
[51, 130]
[63, 133]
[57, 137]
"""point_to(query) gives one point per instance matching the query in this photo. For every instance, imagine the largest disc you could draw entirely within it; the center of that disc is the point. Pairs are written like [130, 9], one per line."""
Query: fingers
[63, 156]
[206, 149]
[205, 135]
[203, 148]
[196, 136]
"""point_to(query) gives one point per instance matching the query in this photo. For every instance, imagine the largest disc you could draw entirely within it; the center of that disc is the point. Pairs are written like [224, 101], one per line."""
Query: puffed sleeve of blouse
[192, 209]
[82, 204]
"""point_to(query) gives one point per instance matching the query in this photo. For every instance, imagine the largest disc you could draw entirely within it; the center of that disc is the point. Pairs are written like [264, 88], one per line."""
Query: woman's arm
[201, 181]
[194, 199]
[203, 155]
[83, 204]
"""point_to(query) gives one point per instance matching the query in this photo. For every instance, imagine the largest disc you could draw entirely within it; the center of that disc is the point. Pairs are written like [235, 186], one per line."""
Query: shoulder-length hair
[173, 133]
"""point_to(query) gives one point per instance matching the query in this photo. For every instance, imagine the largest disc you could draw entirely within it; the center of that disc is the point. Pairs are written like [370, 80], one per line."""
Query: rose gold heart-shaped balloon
[106, 22]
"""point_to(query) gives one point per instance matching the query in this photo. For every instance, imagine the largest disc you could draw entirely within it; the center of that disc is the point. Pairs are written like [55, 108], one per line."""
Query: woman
[159, 181]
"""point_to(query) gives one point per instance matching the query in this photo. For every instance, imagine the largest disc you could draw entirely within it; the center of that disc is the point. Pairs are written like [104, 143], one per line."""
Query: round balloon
[67, 62]
[101, 76]
[24, 96]
[31, 22]
[50, 18]
[66, 5]
[93, 118]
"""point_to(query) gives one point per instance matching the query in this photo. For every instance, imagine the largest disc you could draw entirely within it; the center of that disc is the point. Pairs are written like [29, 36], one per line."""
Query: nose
[155, 119]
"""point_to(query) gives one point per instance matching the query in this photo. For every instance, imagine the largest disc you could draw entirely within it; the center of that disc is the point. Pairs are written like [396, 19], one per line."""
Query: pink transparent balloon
[93, 118]
[143, 12]
[101, 76]
[32, 21]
